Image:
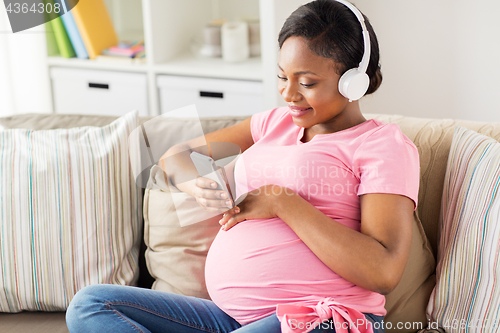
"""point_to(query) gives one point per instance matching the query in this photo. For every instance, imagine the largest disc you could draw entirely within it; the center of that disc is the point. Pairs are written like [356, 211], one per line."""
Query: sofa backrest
[431, 136]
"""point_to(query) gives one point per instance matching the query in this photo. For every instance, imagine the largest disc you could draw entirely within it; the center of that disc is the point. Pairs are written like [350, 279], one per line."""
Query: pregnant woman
[324, 229]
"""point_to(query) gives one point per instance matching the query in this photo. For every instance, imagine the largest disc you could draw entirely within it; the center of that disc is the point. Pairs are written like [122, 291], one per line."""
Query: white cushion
[69, 213]
[467, 293]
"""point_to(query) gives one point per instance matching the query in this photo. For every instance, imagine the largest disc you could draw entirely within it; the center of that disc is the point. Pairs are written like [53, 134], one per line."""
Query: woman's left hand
[261, 203]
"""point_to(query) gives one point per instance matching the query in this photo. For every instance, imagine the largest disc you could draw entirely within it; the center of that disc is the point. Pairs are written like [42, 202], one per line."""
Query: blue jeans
[121, 309]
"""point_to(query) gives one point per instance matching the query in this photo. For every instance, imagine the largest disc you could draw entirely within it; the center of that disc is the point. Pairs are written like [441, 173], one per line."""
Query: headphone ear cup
[354, 84]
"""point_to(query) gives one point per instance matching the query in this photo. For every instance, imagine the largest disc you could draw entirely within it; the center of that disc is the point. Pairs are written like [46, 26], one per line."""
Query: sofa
[407, 303]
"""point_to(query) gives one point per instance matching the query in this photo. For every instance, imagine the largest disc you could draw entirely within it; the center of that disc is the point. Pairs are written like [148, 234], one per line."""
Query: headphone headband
[363, 65]
[354, 83]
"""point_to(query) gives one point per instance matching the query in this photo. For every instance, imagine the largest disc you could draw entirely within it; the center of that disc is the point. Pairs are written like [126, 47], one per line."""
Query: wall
[440, 58]
[272, 16]
[24, 78]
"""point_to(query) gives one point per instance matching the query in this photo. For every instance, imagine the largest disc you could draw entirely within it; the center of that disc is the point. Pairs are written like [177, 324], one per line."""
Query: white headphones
[354, 83]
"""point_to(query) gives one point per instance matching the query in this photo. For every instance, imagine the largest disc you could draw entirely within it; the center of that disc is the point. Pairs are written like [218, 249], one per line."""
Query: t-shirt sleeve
[388, 162]
[261, 122]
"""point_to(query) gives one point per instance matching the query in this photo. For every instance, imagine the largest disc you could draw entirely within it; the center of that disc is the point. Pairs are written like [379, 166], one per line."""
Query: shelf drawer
[212, 97]
[81, 91]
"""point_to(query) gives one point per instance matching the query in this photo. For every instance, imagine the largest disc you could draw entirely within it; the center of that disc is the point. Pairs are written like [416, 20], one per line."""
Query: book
[123, 52]
[139, 58]
[73, 34]
[130, 52]
[52, 49]
[63, 43]
[140, 55]
[95, 26]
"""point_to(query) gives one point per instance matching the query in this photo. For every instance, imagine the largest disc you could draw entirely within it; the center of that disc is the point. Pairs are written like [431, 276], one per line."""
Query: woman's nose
[290, 93]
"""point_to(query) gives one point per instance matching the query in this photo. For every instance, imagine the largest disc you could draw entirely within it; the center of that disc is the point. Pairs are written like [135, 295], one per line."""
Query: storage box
[81, 91]
[212, 97]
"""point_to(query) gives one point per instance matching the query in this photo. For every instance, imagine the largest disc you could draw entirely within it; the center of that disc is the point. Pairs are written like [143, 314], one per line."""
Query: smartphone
[206, 167]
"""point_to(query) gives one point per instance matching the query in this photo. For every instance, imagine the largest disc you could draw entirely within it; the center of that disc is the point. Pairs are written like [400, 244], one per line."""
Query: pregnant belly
[258, 264]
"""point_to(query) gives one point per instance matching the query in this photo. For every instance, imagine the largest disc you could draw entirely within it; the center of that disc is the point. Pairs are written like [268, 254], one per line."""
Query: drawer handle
[211, 94]
[98, 85]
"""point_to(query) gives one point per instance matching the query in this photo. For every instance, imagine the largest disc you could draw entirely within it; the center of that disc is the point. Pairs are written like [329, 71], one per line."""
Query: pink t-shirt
[259, 264]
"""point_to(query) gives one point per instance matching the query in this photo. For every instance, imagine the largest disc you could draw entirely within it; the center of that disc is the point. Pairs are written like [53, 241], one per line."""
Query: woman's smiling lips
[296, 111]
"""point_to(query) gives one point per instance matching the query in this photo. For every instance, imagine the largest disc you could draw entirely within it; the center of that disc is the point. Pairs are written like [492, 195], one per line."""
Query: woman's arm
[374, 258]
[181, 172]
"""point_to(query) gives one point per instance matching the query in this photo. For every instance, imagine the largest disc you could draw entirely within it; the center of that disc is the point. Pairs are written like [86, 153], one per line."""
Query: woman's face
[309, 84]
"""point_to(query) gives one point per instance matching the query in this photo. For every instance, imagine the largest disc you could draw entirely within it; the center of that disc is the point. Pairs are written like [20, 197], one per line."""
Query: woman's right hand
[181, 172]
[208, 197]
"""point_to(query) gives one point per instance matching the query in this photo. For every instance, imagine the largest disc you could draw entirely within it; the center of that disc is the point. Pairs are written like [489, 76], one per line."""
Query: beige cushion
[408, 301]
[177, 245]
[177, 248]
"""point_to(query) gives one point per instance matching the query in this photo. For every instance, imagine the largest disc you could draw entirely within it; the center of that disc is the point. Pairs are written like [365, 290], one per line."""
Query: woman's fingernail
[220, 221]
[223, 195]
[228, 202]
[237, 210]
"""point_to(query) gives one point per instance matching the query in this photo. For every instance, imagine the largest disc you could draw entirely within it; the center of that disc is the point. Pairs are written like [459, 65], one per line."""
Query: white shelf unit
[189, 65]
[168, 28]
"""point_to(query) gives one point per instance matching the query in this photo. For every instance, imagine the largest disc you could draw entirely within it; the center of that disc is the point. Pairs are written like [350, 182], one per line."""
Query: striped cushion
[69, 213]
[467, 294]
